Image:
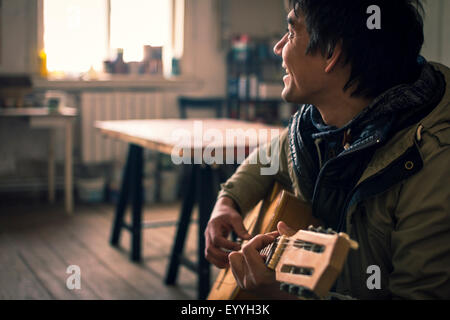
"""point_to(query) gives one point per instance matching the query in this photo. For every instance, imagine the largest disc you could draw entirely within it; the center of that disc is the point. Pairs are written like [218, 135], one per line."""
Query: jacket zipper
[374, 141]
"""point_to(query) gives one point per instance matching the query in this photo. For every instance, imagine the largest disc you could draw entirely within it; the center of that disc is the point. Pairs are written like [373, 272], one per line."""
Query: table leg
[136, 197]
[68, 169]
[205, 197]
[203, 193]
[131, 188]
[123, 199]
[51, 166]
[183, 225]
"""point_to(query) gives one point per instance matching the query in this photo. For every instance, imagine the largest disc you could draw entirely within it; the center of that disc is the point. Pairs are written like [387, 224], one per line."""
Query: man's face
[304, 79]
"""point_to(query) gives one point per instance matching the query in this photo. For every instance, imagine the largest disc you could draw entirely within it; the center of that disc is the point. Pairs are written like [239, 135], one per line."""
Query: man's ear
[333, 57]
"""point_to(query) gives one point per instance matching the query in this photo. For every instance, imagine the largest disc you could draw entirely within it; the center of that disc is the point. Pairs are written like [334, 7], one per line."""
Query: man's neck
[341, 109]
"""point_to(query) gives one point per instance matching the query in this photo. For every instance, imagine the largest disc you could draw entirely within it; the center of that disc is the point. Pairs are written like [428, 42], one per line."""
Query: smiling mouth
[286, 69]
[287, 75]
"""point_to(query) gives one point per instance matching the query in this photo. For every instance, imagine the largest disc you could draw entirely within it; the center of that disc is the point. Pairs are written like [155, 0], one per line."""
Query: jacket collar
[408, 137]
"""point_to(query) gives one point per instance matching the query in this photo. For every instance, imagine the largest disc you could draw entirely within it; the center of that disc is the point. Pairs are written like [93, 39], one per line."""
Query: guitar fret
[269, 249]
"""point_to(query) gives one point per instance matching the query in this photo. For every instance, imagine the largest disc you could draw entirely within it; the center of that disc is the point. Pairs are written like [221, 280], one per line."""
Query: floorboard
[18, 281]
[38, 242]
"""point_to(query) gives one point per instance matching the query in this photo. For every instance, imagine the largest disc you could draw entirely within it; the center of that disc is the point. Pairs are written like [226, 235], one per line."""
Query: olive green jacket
[404, 231]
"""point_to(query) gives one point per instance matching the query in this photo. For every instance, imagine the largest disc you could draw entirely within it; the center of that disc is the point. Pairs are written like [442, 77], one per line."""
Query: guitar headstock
[309, 262]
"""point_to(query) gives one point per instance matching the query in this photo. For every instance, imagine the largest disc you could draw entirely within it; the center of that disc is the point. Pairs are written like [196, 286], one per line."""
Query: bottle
[253, 87]
[243, 87]
[175, 67]
[43, 72]
[119, 64]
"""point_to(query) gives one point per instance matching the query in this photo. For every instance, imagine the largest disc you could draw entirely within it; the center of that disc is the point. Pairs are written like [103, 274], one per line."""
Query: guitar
[279, 205]
[308, 263]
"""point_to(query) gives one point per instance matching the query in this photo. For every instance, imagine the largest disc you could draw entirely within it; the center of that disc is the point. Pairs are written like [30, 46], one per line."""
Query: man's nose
[278, 48]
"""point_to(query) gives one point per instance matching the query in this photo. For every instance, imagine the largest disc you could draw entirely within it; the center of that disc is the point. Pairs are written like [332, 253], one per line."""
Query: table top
[38, 112]
[164, 135]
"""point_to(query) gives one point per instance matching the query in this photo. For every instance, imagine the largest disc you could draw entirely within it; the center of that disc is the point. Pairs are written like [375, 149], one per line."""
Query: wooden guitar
[309, 262]
[279, 205]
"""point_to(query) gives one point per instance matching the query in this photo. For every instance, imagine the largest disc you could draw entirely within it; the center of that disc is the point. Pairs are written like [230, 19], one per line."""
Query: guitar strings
[301, 244]
[297, 243]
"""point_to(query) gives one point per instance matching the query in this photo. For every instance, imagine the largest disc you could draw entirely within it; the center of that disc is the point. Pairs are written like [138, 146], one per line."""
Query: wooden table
[164, 135]
[46, 118]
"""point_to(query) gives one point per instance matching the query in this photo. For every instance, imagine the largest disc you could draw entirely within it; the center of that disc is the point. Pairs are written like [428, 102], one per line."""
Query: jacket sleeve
[420, 241]
[254, 178]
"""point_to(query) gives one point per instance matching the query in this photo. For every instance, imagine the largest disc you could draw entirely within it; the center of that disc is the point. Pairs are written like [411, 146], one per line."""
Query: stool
[202, 182]
[201, 177]
[131, 191]
[214, 103]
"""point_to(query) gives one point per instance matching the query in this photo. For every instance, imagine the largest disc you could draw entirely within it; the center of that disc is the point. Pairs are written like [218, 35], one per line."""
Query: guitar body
[279, 205]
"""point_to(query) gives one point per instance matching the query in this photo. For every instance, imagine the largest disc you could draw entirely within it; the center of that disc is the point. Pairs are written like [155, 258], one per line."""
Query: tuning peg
[307, 294]
[353, 244]
[284, 286]
[320, 229]
[293, 289]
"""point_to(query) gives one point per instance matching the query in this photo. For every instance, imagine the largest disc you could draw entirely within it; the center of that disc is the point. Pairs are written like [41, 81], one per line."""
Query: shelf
[38, 112]
[133, 83]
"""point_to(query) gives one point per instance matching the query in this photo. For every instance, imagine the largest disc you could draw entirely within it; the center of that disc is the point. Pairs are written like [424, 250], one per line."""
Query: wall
[19, 36]
[437, 31]
[445, 49]
[258, 18]
[203, 58]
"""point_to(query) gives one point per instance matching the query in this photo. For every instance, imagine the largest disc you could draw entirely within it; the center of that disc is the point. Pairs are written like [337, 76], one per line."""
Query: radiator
[98, 106]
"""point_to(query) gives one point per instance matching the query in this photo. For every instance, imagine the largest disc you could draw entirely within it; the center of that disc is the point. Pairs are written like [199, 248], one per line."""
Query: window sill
[125, 82]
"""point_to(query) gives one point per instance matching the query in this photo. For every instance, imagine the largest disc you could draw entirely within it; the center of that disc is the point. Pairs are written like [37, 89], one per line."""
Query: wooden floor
[38, 242]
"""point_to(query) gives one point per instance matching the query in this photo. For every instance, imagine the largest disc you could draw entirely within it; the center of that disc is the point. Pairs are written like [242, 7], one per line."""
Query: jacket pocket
[373, 253]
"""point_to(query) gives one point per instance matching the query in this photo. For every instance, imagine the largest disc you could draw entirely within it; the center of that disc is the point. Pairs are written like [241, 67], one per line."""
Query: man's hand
[224, 219]
[248, 265]
[249, 269]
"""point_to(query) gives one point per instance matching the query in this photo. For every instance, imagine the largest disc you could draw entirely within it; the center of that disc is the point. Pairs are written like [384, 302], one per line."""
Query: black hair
[380, 58]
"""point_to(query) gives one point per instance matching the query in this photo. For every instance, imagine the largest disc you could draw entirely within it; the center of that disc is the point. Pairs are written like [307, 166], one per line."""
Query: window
[79, 34]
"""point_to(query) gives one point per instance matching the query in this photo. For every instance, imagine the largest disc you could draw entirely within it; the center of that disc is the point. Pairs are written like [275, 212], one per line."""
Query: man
[369, 149]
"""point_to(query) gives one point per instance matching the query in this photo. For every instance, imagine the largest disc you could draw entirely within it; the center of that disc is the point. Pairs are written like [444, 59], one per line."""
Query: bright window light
[75, 34]
[76, 31]
[135, 23]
